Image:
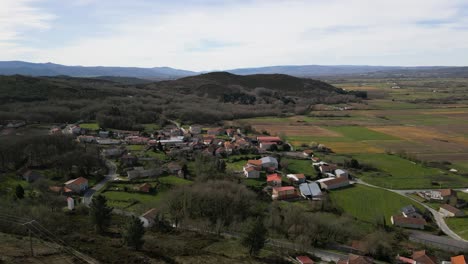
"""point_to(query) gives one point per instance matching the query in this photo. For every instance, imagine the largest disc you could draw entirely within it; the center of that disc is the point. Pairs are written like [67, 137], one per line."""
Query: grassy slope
[399, 173]
[368, 204]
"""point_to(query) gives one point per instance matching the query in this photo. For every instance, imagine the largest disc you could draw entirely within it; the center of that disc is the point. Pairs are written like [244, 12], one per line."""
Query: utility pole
[30, 243]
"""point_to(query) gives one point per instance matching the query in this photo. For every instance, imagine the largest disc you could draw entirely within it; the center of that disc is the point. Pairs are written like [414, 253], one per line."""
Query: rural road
[437, 216]
[88, 196]
[325, 255]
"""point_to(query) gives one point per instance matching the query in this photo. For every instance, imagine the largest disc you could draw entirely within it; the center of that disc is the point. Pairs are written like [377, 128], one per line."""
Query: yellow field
[295, 130]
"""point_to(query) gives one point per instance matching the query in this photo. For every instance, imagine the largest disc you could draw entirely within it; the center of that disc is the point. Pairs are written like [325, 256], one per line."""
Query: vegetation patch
[398, 173]
[370, 204]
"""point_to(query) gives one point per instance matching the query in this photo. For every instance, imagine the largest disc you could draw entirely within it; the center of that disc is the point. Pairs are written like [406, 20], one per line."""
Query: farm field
[419, 119]
[369, 204]
[399, 173]
[300, 166]
[459, 226]
[140, 202]
[91, 126]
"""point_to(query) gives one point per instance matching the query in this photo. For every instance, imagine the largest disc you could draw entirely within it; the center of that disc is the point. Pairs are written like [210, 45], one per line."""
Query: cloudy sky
[217, 34]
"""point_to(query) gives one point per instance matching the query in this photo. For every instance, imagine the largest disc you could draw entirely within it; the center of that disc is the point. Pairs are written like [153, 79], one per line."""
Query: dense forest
[206, 98]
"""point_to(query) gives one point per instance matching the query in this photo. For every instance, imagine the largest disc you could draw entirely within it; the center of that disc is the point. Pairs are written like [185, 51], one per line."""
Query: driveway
[88, 196]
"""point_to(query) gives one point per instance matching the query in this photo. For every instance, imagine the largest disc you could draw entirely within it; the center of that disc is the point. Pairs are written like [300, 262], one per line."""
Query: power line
[44, 234]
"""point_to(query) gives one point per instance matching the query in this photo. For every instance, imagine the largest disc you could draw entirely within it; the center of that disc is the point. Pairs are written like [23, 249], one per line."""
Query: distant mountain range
[158, 73]
[51, 69]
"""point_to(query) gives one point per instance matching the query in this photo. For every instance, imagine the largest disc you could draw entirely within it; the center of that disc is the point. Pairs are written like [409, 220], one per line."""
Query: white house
[149, 217]
[341, 173]
[449, 211]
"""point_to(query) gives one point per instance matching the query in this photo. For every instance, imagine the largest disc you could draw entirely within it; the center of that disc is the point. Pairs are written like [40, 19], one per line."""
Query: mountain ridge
[167, 73]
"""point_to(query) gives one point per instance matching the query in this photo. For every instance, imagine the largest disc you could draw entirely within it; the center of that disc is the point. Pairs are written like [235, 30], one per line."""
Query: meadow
[370, 204]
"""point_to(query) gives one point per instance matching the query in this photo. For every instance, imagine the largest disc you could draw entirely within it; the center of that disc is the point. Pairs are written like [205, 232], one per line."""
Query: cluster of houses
[423, 257]
[296, 184]
[450, 206]
[217, 141]
[416, 256]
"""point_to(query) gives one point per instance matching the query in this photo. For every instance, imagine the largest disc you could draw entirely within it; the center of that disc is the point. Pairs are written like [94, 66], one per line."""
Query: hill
[126, 102]
[51, 69]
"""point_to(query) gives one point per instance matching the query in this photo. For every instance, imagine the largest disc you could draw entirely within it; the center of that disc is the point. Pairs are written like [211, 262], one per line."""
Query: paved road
[88, 196]
[437, 216]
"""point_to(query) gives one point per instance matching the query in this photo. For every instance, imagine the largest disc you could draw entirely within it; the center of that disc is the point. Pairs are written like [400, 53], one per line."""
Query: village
[256, 159]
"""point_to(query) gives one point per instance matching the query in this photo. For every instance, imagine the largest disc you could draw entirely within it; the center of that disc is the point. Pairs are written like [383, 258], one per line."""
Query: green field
[91, 126]
[236, 166]
[296, 166]
[399, 173]
[173, 180]
[370, 204]
[136, 147]
[458, 225]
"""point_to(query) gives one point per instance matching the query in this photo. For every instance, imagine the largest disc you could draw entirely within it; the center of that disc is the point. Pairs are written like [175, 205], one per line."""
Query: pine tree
[133, 234]
[100, 213]
[255, 238]
[19, 191]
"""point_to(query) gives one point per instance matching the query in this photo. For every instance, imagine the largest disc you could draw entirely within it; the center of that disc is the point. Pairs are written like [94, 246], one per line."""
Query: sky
[216, 35]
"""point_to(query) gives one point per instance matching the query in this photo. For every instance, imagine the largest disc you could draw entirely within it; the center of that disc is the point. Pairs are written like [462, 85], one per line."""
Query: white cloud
[255, 33]
[17, 17]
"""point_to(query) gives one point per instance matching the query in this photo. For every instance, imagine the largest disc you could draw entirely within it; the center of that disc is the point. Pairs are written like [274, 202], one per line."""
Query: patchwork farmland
[413, 121]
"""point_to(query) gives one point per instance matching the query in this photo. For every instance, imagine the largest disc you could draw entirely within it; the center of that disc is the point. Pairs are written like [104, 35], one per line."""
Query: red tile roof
[300, 176]
[77, 181]
[335, 181]
[458, 260]
[284, 188]
[268, 139]
[356, 259]
[273, 177]
[446, 192]
[399, 219]
[450, 208]
[406, 260]
[255, 162]
[304, 260]
[423, 258]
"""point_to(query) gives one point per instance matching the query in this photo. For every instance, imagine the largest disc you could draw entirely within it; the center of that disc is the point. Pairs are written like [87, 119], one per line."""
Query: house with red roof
[145, 187]
[422, 257]
[274, 180]
[266, 143]
[77, 185]
[251, 172]
[304, 260]
[458, 259]
[408, 222]
[356, 259]
[325, 167]
[149, 217]
[333, 183]
[296, 179]
[283, 193]
[449, 211]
